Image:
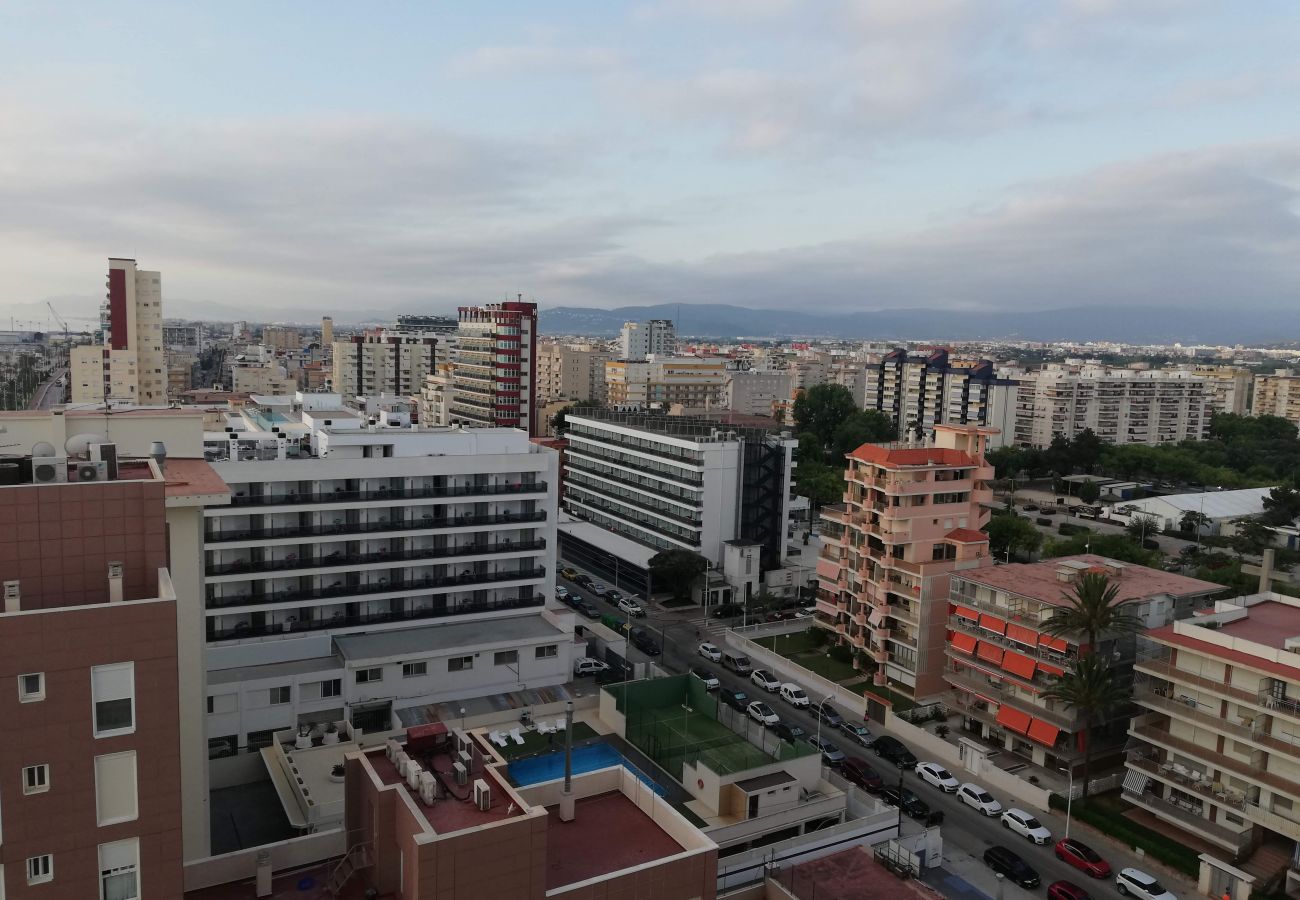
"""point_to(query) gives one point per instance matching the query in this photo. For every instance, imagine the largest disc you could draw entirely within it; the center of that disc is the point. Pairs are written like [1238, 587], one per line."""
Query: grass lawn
[800, 648]
[830, 669]
[1105, 812]
[787, 644]
[901, 702]
[536, 742]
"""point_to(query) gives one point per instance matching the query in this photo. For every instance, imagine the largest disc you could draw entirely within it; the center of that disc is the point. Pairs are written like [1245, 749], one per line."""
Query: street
[966, 832]
[48, 394]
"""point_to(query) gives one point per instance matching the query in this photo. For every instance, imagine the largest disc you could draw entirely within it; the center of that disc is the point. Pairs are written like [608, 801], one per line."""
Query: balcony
[1164, 699]
[1186, 816]
[428, 523]
[1249, 771]
[1063, 719]
[468, 581]
[342, 620]
[332, 560]
[342, 496]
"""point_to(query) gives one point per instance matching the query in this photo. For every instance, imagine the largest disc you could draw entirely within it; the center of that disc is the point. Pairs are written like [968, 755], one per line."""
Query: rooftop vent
[13, 597]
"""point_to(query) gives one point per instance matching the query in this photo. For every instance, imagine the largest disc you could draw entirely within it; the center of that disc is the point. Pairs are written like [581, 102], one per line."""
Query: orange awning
[993, 623]
[991, 652]
[1019, 664]
[1050, 670]
[1055, 643]
[967, 613]
[1022, 635]
[963, 642]
[1043, 732]
[1014, 719]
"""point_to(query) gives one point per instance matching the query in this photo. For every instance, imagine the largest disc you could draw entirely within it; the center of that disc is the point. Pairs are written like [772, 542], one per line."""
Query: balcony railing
[467, 581]
[1171, 702]
[1190, 818]
[329, 560]
[428, 523]
[1064, 719]
[343, 496]
[1211, 758]
[342, 620]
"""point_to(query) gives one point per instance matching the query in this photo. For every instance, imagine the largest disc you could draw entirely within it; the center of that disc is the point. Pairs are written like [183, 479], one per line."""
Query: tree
[823, 408]
[1112, 546]
[866, 426]
[1089, 492]
[1091, 610]
[820, 483]
[1255, 537]
[1092, 688]
[1193, 521]
[560, 421]
[676, 570]
[1281, 506]
[1086, 450]
[1142, 526]
[1012, 533]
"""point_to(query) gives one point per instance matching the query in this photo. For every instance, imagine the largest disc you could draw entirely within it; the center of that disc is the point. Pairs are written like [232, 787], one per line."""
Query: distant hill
[1154, 325]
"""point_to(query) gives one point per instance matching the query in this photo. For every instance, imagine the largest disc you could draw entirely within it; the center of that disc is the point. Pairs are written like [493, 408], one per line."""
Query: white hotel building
[375, 567]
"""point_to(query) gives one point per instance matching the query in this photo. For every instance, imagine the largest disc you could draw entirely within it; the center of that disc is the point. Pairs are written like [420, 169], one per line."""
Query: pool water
[586, 758]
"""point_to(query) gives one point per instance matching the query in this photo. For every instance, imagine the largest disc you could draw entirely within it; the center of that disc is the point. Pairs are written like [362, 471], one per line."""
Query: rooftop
[850, 875]
[897, 455]
[451, 813]
[1270, 623]
[1215, 504]
[626, 549]
[1040, 581]
[436, 638]
[583, 849]
[193, 478]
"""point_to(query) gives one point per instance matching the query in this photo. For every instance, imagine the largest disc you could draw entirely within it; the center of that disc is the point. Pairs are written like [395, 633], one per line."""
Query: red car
[1063, 890]
[1082, 857]
[861, 774]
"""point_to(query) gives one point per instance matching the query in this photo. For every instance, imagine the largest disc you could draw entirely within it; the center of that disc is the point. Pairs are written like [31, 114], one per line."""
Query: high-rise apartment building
[756, 392]
[129, 365]
[386, 362]
[911, 517]
[281, 337]
[639, 340]
[920, 391]
[1277, 395]
[1121, 406]
[493, 373]
[571, 372]
[1227, 388]
[691, 382]
[268, 378]
[326, 331]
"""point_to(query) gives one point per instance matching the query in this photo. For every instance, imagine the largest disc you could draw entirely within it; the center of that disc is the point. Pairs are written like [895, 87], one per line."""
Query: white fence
[816, 686]
[284, 856]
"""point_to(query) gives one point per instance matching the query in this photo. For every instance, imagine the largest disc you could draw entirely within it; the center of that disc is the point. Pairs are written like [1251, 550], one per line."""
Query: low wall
[285, 856]
[232, 771]
[740, 869]
[816, 686]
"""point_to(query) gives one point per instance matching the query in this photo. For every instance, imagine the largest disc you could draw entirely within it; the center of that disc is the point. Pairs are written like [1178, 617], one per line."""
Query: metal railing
[383, 586]
[422, 524]
[345, 496]
[338, 558]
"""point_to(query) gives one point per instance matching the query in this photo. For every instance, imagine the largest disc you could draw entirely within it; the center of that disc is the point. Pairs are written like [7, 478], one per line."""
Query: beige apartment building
[1121, 406]
[1227, 388]
[130, 364]
[1277, 395]
[1218, 754]
[386, 362]
[269, 378]
[911, 517]
[694, 383]
[281, 337]
[571, 372]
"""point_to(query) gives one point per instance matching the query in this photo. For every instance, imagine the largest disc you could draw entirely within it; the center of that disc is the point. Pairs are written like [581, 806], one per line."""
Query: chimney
[115, 582]
[13, 597]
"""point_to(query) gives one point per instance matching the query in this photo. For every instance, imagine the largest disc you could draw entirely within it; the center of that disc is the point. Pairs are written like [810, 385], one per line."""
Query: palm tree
[1091, 609]
[1093, 690]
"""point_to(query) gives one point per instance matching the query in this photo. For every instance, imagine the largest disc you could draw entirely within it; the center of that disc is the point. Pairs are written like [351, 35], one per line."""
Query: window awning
[967, 613]
[1019, 665]
[964, 643]
[1047, 669]
[1022, 635]
[1043, 732]
[990, 652]
[1057, 644]
[1012, 718]
[876, 616]
[993, 623]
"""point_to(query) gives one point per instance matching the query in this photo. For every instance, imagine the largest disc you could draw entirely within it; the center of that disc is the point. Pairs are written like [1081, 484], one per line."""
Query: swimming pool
[586, 758]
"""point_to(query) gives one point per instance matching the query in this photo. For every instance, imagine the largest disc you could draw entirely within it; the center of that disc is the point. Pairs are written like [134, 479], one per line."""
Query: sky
[278, 161]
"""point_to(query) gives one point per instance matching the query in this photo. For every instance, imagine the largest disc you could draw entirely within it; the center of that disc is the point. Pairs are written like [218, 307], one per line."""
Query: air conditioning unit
[49, 469]
[462, 773]
[391, 749]
[428, 788]
[413, 773]
[399, 762]
[107, 454]
[92, 471]
[482, 795]
[466, 758]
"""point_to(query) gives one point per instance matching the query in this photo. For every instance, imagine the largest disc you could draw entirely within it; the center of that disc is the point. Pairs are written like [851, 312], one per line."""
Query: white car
[561, 593]
[1136, 883]
[937, 775]
[761, 712]
[794, 695]
[976, 797]
[585, 665]
[631, 607]
[766, 680]
[1025, 825]
[709, 652]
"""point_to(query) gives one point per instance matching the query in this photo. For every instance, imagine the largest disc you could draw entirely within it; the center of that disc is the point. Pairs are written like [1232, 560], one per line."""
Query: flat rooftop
[608, 833]
[626, 549]
[435, 638]
[450, 814]
[1270, 623]
[1039, 581]
[850, 874]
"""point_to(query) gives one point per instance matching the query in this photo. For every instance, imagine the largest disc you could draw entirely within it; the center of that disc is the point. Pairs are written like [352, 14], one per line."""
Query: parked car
[766, 680]
[599, 589]
[737, 700]
[936, 775]
[1136, 883]
[857, 732]
[788, 731]
[761, 712]
[709, 652]
[831, 754]
[1064, 890]
[587, 608]
[726, 610]
[794, 695]
[861, 774]
[976, 797]
[585, 665]
[737, 662]
[562, 594]
[1046, 511]
[582, 580]
[644, 641]
[906, 800]
[569, 572]
[710, 680]
[1025, 825]
[631, 607]
[1030, 507]
[1011, 866]
[893, 750]
[828, 715]
[613, 596]
[1082, 857]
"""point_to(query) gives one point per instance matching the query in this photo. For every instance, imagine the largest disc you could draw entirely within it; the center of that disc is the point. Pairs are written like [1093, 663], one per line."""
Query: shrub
[942, 731]
[817, 637]
[842, 653]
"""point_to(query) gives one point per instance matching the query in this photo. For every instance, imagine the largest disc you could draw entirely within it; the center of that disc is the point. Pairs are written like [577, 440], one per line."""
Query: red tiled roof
[967, 536]
[1168, 636]
[1039, 580]
[891, 457]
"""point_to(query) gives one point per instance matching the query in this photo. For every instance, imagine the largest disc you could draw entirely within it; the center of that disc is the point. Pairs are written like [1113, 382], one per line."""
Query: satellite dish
[79, 444]
[42, 448]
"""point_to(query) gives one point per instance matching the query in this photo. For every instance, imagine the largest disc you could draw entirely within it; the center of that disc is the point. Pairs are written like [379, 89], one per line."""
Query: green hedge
[1105, 813]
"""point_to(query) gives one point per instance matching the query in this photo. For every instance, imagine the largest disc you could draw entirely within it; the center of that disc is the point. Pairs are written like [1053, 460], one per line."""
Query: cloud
[534, 59]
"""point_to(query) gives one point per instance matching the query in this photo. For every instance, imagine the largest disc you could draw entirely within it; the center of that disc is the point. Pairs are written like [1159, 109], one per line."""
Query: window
[31, 687]
[414, 669]
[281, 695]
[332, 687]
[40, 869]
[550, 651]
[115, 793]
[367, 676]
[223, 703]
[505, 658]
[221, 747]
[259, 739]
[113, 692]
[36, 779]
[119, 877]
[460, 663]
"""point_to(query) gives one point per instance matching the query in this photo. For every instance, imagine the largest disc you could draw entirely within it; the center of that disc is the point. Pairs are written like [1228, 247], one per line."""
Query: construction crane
[58, 318]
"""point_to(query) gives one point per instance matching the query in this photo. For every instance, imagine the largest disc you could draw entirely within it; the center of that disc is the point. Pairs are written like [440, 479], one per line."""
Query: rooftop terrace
[571, 846]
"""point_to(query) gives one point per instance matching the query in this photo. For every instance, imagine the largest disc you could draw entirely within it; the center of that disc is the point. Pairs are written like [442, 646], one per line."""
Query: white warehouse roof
[1215, 504]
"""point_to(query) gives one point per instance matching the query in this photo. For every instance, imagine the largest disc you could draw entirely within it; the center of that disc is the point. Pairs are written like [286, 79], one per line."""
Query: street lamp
[1069, 799]
[902, 770]
[820, 706]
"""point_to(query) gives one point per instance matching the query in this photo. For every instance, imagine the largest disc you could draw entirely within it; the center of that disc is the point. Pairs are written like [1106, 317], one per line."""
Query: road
[48, 394]
[966, 833]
